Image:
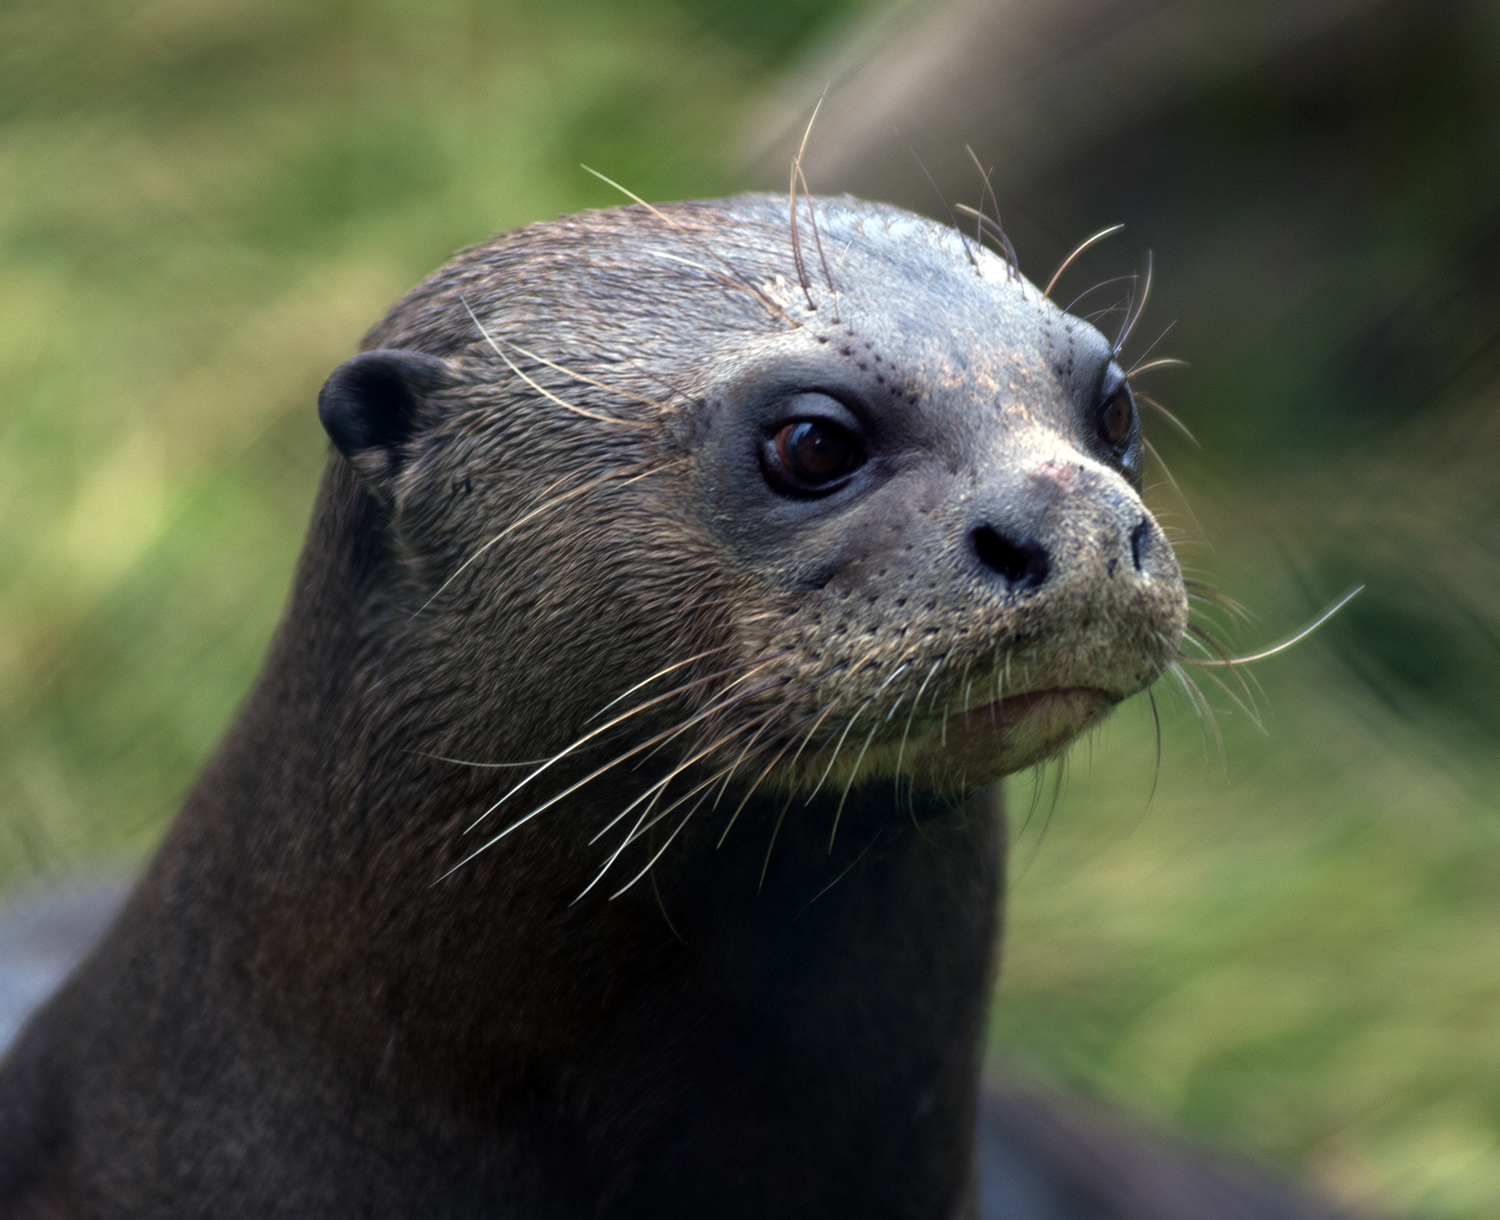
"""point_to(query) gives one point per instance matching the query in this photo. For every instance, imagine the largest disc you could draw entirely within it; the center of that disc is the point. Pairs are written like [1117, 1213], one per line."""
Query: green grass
[1289, 948]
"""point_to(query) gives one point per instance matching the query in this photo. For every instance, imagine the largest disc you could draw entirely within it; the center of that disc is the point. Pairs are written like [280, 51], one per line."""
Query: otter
[613, 827]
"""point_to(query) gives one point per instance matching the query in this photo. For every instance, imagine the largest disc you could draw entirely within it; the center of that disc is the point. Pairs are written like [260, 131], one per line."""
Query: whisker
[1156, 721]
[834, 757]
[593, 381]
[769, 767]
[1172, 419]
[1140, 364]
[1280, 647]
[812, 219]
[766, 721]
[1118, 279]
[464, 762]
[812, 214]
[864, 851]
[665, 735]
[843, 254]
[1246, 705]
[660, 785]
[1068, 262]
[998, 226]
[1295, 638]
[1057, 782]
[730, 281]
[1201, 704]
[815, 726]
[874, 728]
[1206, 592]
[651, 862]
[660, 673]
[1200, 639]
[796, 236]
[1037, 774]
[542, 390]
[765, 865]
[1165, 362]
[853, 774]
[662, 907]
[963, 241]
[1166, 470]
[1132, 318]
[732, 276]
[1098, 315]
[547, 506]
[722, 707]
[620, 719]
[654, 793]
[988, 225]
[906, 732]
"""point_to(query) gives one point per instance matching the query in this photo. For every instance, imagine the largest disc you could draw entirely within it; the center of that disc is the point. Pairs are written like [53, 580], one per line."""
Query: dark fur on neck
[311, 997]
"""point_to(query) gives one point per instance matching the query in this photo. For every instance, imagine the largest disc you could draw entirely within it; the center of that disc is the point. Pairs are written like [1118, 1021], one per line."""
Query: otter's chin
[996, 739]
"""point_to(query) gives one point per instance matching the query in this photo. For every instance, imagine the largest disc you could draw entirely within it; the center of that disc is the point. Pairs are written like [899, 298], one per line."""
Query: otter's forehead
[914, 279]
[947, 318]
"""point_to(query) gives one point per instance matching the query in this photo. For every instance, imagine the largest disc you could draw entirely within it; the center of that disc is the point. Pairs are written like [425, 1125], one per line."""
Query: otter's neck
[801, 1018]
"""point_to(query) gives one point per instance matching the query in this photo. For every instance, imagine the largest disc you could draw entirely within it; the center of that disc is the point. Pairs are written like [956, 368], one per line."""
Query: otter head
[749, 515]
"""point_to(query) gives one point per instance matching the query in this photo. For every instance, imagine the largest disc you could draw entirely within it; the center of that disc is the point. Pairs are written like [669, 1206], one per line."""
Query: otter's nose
[1022, 561]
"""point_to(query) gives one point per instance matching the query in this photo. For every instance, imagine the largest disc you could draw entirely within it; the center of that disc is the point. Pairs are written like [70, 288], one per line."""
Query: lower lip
[1022, 729]
[1060, 701]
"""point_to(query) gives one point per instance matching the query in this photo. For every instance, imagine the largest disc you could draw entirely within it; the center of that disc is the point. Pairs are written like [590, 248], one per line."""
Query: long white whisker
[593, 381]
[658, 674]
[915, 703]
[660, 851]
[603, 728]
[765, 771]
[667, 779]
[545, 507]
[666, 735]
[541, 389]
[733, 276]
[834, 757]
[1203, 707]
[839, 812]
[1295, 638]
[464, 762]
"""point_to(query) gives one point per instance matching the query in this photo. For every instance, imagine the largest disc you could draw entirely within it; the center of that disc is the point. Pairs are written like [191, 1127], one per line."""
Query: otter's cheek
[996, 739]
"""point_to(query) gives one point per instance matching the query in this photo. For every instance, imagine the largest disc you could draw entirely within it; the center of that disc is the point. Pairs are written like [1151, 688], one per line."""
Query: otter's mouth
[1016, 731]
[964, 748]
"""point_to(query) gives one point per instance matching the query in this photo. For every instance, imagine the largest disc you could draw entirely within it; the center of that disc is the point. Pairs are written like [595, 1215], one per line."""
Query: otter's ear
[370, 406]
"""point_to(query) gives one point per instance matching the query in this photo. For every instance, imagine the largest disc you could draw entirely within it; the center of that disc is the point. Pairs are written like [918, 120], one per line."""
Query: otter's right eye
[1117, 418]
[811, 456]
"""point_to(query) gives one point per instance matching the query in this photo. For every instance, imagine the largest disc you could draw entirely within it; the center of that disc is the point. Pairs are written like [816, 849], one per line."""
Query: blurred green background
[1288, 945]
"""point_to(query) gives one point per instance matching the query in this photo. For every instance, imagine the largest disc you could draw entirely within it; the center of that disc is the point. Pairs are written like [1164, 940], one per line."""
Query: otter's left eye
[1117, 418]
[808, 456]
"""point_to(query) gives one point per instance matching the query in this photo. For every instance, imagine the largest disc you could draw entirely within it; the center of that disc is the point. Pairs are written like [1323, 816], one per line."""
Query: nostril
[1140, 537]
[1023, 562]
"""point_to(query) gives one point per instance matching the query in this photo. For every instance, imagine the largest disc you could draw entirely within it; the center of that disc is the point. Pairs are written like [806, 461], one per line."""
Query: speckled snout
[1064, 543]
